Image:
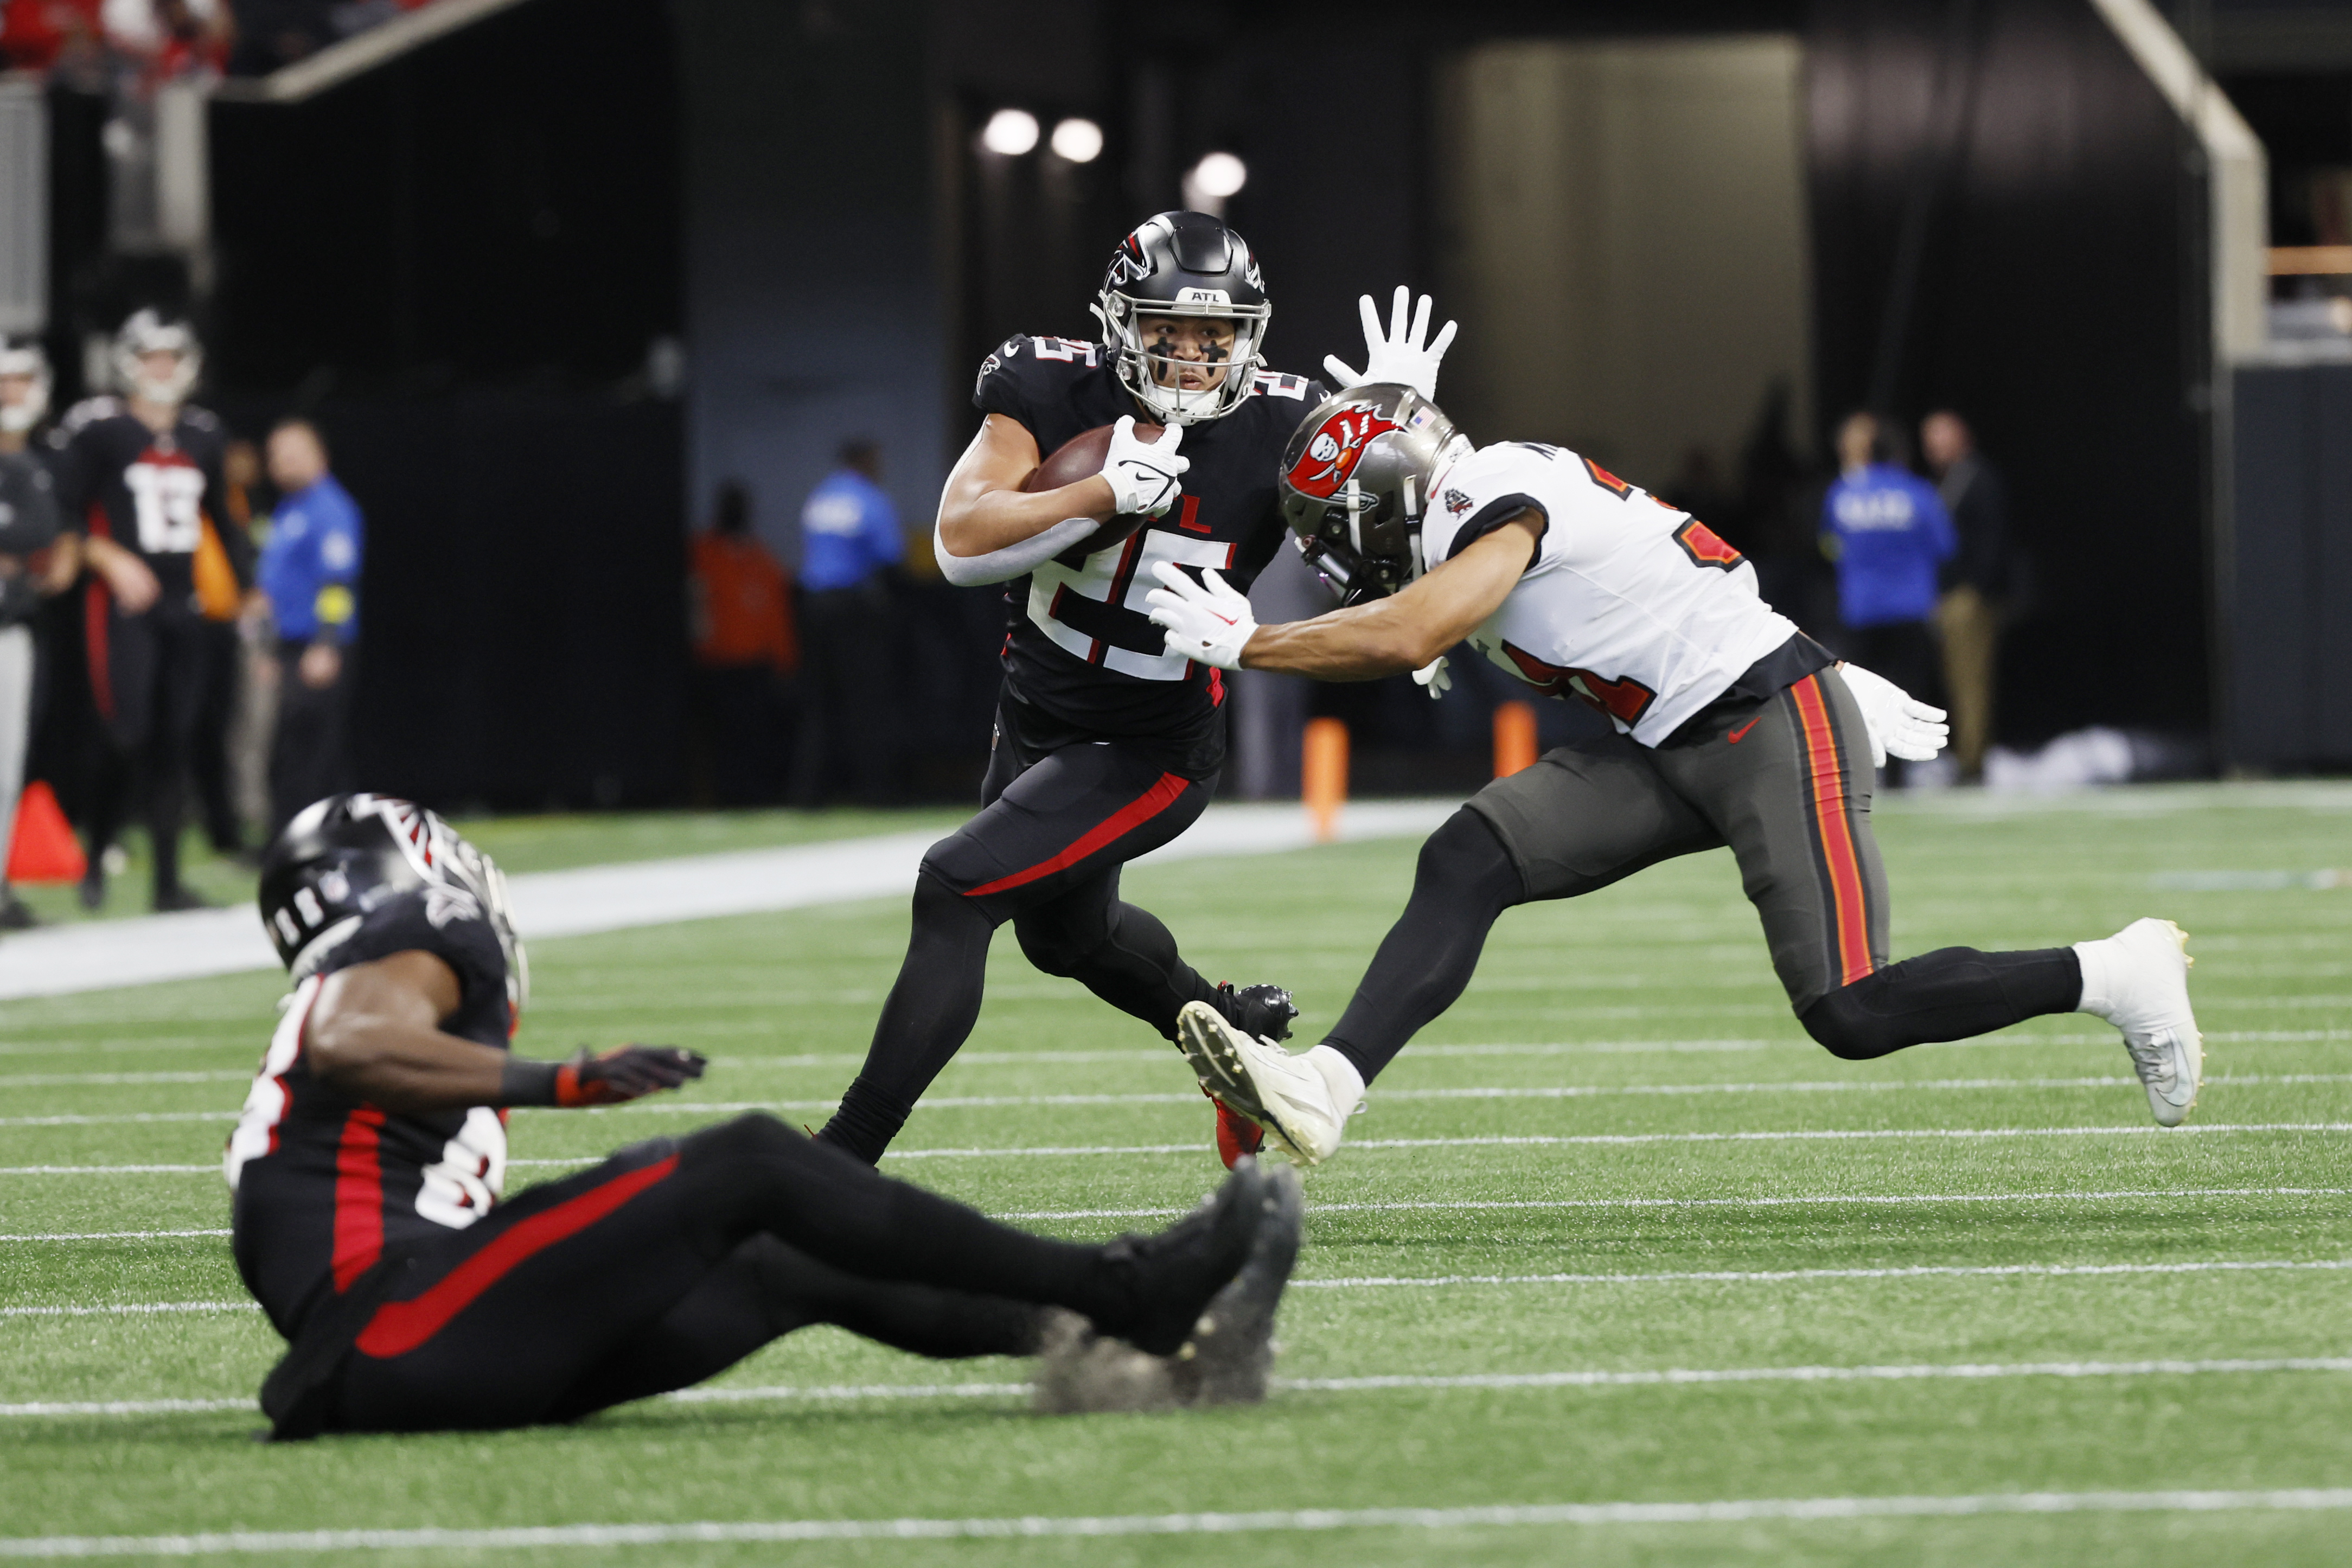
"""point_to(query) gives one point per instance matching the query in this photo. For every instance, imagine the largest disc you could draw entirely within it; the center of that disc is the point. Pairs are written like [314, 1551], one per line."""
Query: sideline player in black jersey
[367, 1166]
[140, 475]
[1106, 745]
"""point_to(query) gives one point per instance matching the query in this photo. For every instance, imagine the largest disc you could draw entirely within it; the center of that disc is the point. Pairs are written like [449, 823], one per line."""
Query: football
[1081, 457]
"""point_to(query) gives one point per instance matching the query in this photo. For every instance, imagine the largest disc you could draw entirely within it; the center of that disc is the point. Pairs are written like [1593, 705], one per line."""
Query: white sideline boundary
[1590, 1515]
[106, 954]
[1630, 1377]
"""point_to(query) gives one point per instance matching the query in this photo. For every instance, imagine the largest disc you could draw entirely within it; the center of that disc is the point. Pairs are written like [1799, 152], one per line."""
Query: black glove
[606, 1078]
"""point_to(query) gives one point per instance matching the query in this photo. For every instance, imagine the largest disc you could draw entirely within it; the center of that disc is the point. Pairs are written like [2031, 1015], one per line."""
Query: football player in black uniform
[140, 475]
[1106, 745]
[367, 1165]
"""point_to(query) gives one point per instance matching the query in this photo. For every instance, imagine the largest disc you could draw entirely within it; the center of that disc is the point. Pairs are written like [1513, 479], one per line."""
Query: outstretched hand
[622, 1073]
[1209, 620]
[1404, 355]
[1900, 725]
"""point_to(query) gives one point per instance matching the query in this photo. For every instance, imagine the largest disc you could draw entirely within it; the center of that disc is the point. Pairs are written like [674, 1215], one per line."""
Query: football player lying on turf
[366, 1170]
[1730, 727]
[1107, 745]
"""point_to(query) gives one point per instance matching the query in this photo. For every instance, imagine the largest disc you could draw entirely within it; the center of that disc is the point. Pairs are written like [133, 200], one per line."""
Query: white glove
[1143, 475]
[1434, 676]
[1900, 725]
[1398, 357]
[1209, 622]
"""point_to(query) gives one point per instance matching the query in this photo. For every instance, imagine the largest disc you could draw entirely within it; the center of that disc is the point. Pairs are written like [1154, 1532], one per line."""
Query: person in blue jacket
[1888, 532]
[310, 571]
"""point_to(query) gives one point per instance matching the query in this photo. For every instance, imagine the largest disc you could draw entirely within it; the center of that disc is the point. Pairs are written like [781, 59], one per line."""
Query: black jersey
[1080, 645]
[147, 492]
[324, 1183]
[28, 524]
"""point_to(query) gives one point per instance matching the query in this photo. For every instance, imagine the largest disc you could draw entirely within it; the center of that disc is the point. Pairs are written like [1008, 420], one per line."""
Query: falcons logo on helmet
[1336, 448]
[1127, 263]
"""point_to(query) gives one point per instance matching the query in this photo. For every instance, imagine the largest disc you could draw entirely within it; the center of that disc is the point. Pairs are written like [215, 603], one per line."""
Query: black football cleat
[1229, 1360]
[1171, 1277]
[1267, 1011]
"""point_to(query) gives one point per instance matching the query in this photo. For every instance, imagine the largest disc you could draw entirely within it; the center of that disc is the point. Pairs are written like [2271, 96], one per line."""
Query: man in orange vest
[746, 648]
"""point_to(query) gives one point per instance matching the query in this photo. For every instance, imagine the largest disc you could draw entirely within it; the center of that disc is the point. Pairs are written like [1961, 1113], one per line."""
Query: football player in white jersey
[1732, 726]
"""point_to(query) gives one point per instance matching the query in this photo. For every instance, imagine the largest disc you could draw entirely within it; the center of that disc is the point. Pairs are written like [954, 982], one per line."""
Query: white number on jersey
[1121, 575]
[1068, 351]
[165, 495]
[266, 1101]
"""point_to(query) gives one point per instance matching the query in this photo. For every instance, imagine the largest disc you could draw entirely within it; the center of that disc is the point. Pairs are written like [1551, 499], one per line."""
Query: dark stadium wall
[459, 265]
[813, 298]
[2058, 304]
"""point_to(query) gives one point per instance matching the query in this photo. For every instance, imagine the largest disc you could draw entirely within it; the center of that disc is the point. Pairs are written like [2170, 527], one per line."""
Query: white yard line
[1630, 1377]
[1408, 1206]
[1780, 1276]
[1478, 1141]
[1448, 1282]
[675, 1107]
[1420, 1206]
[105, 955]
[1586, 1515]
[1547, 1139]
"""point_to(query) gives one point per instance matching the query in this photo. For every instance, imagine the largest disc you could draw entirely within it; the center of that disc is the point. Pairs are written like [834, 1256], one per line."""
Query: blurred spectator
[1887, 531]
[32, 564]
[144, 471]
[744, 653]
[850, 541]
[253, 712]
[310, 572]
[1974, 583]
[223, 603]
[34, 33]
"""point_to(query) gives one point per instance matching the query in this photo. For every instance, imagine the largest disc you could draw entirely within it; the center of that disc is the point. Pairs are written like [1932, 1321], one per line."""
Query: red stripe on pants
[1851, 915]
[1125, 820]
[399, 1327]
[358, 1197]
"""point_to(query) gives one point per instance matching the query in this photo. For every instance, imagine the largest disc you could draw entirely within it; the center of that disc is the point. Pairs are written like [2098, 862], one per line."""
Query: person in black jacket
[1968, 615]
[32, 566]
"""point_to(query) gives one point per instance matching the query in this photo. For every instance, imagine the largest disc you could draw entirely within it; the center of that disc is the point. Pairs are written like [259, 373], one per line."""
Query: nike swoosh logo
[1736, 736]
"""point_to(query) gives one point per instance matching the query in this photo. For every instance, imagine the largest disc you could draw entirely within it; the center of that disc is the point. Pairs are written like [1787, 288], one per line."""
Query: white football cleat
[1290, 1096]
[2138, 980]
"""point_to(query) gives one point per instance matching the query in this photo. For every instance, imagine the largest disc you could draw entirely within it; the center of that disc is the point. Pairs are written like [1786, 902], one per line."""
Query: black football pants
[1786, 782]
[666, 1264]
[149, 674]
[1044, 852]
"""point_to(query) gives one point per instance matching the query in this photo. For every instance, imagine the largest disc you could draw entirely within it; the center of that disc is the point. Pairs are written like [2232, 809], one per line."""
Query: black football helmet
[1355, 479]
[1183, 264]
[348, 854]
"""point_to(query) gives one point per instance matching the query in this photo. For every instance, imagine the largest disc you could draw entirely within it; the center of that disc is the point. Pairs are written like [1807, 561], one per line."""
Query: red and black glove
[603, 1078]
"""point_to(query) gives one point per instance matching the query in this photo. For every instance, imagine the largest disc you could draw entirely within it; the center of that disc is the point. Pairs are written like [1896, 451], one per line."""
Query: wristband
[523, 1082]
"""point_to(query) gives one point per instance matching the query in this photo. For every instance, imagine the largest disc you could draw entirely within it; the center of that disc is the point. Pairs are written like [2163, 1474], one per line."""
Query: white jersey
[1629, 605]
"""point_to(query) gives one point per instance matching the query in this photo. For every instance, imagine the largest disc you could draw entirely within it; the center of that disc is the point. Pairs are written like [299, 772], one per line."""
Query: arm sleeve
[33, 523]
[71, 467]
[999, 388]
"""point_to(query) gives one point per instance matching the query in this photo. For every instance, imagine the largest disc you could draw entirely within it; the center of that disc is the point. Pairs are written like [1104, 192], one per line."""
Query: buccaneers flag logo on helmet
[1336, 448]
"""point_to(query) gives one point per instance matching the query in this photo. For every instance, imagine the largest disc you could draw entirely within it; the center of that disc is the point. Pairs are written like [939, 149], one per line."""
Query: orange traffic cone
[43, 848]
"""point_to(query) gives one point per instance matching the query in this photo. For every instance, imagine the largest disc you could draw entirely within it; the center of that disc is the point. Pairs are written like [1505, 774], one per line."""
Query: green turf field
[1618, 1162]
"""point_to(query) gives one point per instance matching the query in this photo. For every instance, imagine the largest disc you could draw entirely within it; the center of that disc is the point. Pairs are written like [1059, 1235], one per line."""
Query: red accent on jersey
[1216, 687]
[399, 1327]
[1337, 447]
[1626, 700]
[359, 1198]
[1120, 823]
[1838, 852]
[1705, 546]
[1188, 518]
[1606, 480]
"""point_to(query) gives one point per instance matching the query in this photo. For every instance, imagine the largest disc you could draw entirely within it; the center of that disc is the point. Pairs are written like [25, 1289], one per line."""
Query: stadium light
[1220, 174]
[1011, 131]
[1079, 140]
